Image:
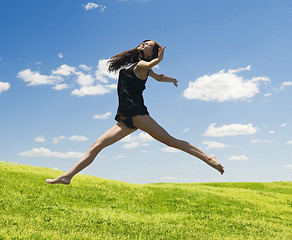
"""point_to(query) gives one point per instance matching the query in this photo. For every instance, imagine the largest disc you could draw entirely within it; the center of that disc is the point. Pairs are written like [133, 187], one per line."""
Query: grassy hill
[97, 208]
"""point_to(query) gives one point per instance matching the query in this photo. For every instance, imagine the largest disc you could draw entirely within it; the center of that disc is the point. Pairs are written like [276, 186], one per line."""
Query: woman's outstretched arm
[162, 77]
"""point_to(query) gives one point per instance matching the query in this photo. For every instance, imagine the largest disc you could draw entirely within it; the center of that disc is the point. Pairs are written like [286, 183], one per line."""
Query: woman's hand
[165, 78]
[174, 81]
[161, 53]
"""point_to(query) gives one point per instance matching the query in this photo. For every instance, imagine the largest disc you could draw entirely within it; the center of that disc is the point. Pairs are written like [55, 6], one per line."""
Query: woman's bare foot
[59, 180]
[212, 161]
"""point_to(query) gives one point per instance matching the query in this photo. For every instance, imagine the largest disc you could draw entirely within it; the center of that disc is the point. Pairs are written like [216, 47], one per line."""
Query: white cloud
[134, 145]
[78, 138]
[90, 6]
[84, 80]
[4, 86]
[39, 139]
[261, 141]
[133, 141]
[64, 70]
[59, 87]
[75, 138]
[186, 130]
[43, 152]
[289, 142]
[283, 125]
[112, 86]
[267, 94]
[84, 67]
[35, 78]
[60, 55]
[272, 132]
[212, 144]
[229, 130]
[92, 90]
[103, 116]
[289, 166]
[102, 73]
[170, 150]
[120, 156]
[224, 86]
[238, 158]
[285, 84]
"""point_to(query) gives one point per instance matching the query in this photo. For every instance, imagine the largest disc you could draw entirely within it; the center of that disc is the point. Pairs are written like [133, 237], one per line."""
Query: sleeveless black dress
[131, 102]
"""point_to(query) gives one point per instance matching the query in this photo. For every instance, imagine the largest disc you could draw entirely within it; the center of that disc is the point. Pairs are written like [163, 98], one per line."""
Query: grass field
[97, 208]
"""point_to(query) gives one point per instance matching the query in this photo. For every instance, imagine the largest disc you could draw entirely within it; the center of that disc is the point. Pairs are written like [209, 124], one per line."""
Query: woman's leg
[147, 124]
[113, 135]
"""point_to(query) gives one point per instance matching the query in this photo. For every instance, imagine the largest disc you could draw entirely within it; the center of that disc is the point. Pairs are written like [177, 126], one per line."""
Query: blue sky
[232, 60]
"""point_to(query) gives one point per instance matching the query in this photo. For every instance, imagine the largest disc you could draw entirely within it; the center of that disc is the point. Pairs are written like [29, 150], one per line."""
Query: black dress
[131, 102]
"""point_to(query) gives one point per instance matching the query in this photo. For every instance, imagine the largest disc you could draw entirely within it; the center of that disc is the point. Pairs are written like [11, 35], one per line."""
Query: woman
[134, 67]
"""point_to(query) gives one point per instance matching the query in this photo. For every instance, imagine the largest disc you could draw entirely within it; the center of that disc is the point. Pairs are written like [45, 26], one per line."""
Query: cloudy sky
[232, 60]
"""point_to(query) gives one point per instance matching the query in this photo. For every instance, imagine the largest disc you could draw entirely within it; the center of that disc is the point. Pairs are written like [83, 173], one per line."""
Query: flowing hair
[130, 56]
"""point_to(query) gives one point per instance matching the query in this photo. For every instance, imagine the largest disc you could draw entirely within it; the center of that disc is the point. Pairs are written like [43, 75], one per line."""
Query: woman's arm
[162, 77]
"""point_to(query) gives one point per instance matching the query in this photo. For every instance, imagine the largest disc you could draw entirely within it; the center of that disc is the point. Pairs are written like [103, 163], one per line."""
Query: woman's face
[147, 48]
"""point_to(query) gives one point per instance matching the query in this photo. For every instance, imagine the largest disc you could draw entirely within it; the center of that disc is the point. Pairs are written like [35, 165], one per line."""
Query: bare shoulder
[141, 65]
[140, 70]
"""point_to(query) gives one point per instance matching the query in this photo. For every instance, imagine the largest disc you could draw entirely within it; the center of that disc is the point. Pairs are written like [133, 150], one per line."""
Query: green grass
[97, 208]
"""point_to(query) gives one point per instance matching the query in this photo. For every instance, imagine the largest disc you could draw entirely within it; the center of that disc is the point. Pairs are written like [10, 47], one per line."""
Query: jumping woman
[134, 67]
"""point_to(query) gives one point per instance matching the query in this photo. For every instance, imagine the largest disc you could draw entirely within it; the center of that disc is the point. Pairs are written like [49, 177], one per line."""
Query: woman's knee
[97, 147]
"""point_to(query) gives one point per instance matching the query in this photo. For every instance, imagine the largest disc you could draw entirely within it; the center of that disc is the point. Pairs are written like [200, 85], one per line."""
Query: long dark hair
[130, 56]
